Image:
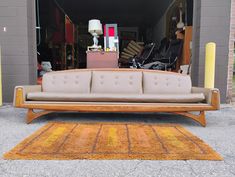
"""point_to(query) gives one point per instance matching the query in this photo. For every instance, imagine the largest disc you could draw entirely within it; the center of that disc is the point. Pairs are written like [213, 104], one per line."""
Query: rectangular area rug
[124, 141]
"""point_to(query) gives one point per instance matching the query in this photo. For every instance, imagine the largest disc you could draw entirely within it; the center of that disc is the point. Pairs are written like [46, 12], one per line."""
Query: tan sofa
[117, 90]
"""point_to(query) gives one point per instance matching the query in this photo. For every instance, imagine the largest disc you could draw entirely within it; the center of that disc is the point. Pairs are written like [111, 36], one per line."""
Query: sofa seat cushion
[142, 98]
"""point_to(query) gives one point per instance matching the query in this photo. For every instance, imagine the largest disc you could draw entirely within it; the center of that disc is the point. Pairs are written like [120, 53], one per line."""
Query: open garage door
[63, 37]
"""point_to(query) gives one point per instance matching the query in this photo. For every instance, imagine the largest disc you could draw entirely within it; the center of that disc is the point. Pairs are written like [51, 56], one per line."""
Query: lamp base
[94, 48]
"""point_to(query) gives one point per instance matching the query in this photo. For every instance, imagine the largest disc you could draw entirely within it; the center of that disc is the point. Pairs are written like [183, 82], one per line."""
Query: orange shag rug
[67, 141]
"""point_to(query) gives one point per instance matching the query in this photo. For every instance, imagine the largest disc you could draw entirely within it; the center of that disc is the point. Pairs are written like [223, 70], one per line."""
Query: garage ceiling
[123, 12]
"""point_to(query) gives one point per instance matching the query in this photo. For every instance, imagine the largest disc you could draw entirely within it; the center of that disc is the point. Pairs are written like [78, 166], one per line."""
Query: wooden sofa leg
[31, 115]
[201, 119]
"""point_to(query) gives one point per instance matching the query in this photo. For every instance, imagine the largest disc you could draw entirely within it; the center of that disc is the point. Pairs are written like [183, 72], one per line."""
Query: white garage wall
[18, 41]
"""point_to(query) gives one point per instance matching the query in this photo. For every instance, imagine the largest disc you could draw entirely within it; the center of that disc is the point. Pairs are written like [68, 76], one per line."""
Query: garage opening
[144, 30]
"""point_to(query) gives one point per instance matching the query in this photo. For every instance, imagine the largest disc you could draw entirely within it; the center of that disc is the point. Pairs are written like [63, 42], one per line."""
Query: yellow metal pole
[0, 76]
[210, 65]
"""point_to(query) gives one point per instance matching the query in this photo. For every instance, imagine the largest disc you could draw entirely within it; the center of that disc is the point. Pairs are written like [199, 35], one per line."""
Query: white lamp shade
[95, 27]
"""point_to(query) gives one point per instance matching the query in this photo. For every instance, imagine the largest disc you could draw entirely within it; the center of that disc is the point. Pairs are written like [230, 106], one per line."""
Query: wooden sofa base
[201, 118]
[31, 115]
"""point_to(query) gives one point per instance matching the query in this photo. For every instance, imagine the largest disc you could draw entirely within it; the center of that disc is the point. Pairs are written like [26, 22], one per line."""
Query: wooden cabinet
[63, 46]
[99, 59]
[187, 42]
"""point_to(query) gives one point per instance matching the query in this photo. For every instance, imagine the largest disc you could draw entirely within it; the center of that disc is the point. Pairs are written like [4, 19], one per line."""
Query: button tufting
[116, 83]
[102, 77]
[101, 83]
[65, 82]
[77, 77]
[156, 83]
[76, 82]
[131, 77]
[116, 77]
[131, 83]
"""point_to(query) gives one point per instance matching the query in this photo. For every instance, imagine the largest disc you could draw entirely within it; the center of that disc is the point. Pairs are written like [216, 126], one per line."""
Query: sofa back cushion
[117, 82]
[166, 83]
[67, 82]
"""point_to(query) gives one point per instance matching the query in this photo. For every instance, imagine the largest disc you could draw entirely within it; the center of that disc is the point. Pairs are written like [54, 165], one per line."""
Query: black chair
[163, 47]
[147, 54]
[169, 60]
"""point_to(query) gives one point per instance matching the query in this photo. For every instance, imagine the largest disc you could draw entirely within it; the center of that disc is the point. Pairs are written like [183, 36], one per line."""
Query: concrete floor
[219, 134]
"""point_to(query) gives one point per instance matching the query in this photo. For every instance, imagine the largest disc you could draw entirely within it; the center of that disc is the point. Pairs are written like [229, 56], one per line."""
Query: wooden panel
[117, 107]
[69, 31]
[187, 39]
[102, 59]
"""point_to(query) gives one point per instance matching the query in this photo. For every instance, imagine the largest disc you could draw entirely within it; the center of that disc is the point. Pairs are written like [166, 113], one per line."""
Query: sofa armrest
[21, 92]
[212, 96]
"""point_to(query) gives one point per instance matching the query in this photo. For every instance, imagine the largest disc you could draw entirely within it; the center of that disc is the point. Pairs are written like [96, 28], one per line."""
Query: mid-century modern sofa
[117, 90]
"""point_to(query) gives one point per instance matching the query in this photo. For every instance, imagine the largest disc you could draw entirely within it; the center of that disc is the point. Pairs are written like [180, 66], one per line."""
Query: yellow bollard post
[210, 65]
[0, 76]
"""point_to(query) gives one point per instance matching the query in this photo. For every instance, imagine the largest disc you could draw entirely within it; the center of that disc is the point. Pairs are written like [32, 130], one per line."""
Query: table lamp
[180, 24]
[95, 29]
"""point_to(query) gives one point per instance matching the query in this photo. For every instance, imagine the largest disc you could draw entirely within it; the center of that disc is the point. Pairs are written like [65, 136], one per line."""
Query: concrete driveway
[219, 134]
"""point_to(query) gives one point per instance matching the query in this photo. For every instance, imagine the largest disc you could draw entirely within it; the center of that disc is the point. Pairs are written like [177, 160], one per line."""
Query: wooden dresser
[101, 59]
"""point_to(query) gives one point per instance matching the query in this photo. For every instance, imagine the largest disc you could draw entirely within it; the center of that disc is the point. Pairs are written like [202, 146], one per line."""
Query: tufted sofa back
[67, 82]
[168, 83]
[117, 81]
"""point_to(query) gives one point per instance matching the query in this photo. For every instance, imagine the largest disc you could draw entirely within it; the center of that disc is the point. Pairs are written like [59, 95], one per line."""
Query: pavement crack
[132, 170]
[191, 168]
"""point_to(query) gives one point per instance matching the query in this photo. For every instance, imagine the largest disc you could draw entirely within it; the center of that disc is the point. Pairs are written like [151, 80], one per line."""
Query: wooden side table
[100, 59]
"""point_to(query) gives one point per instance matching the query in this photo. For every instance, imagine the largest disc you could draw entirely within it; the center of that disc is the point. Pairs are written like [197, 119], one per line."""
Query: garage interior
[63, 38]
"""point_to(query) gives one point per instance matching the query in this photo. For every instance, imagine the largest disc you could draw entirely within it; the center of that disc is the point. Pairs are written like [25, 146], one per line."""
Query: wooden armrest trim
[19, 97]
[21, 91]
[215, 99]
